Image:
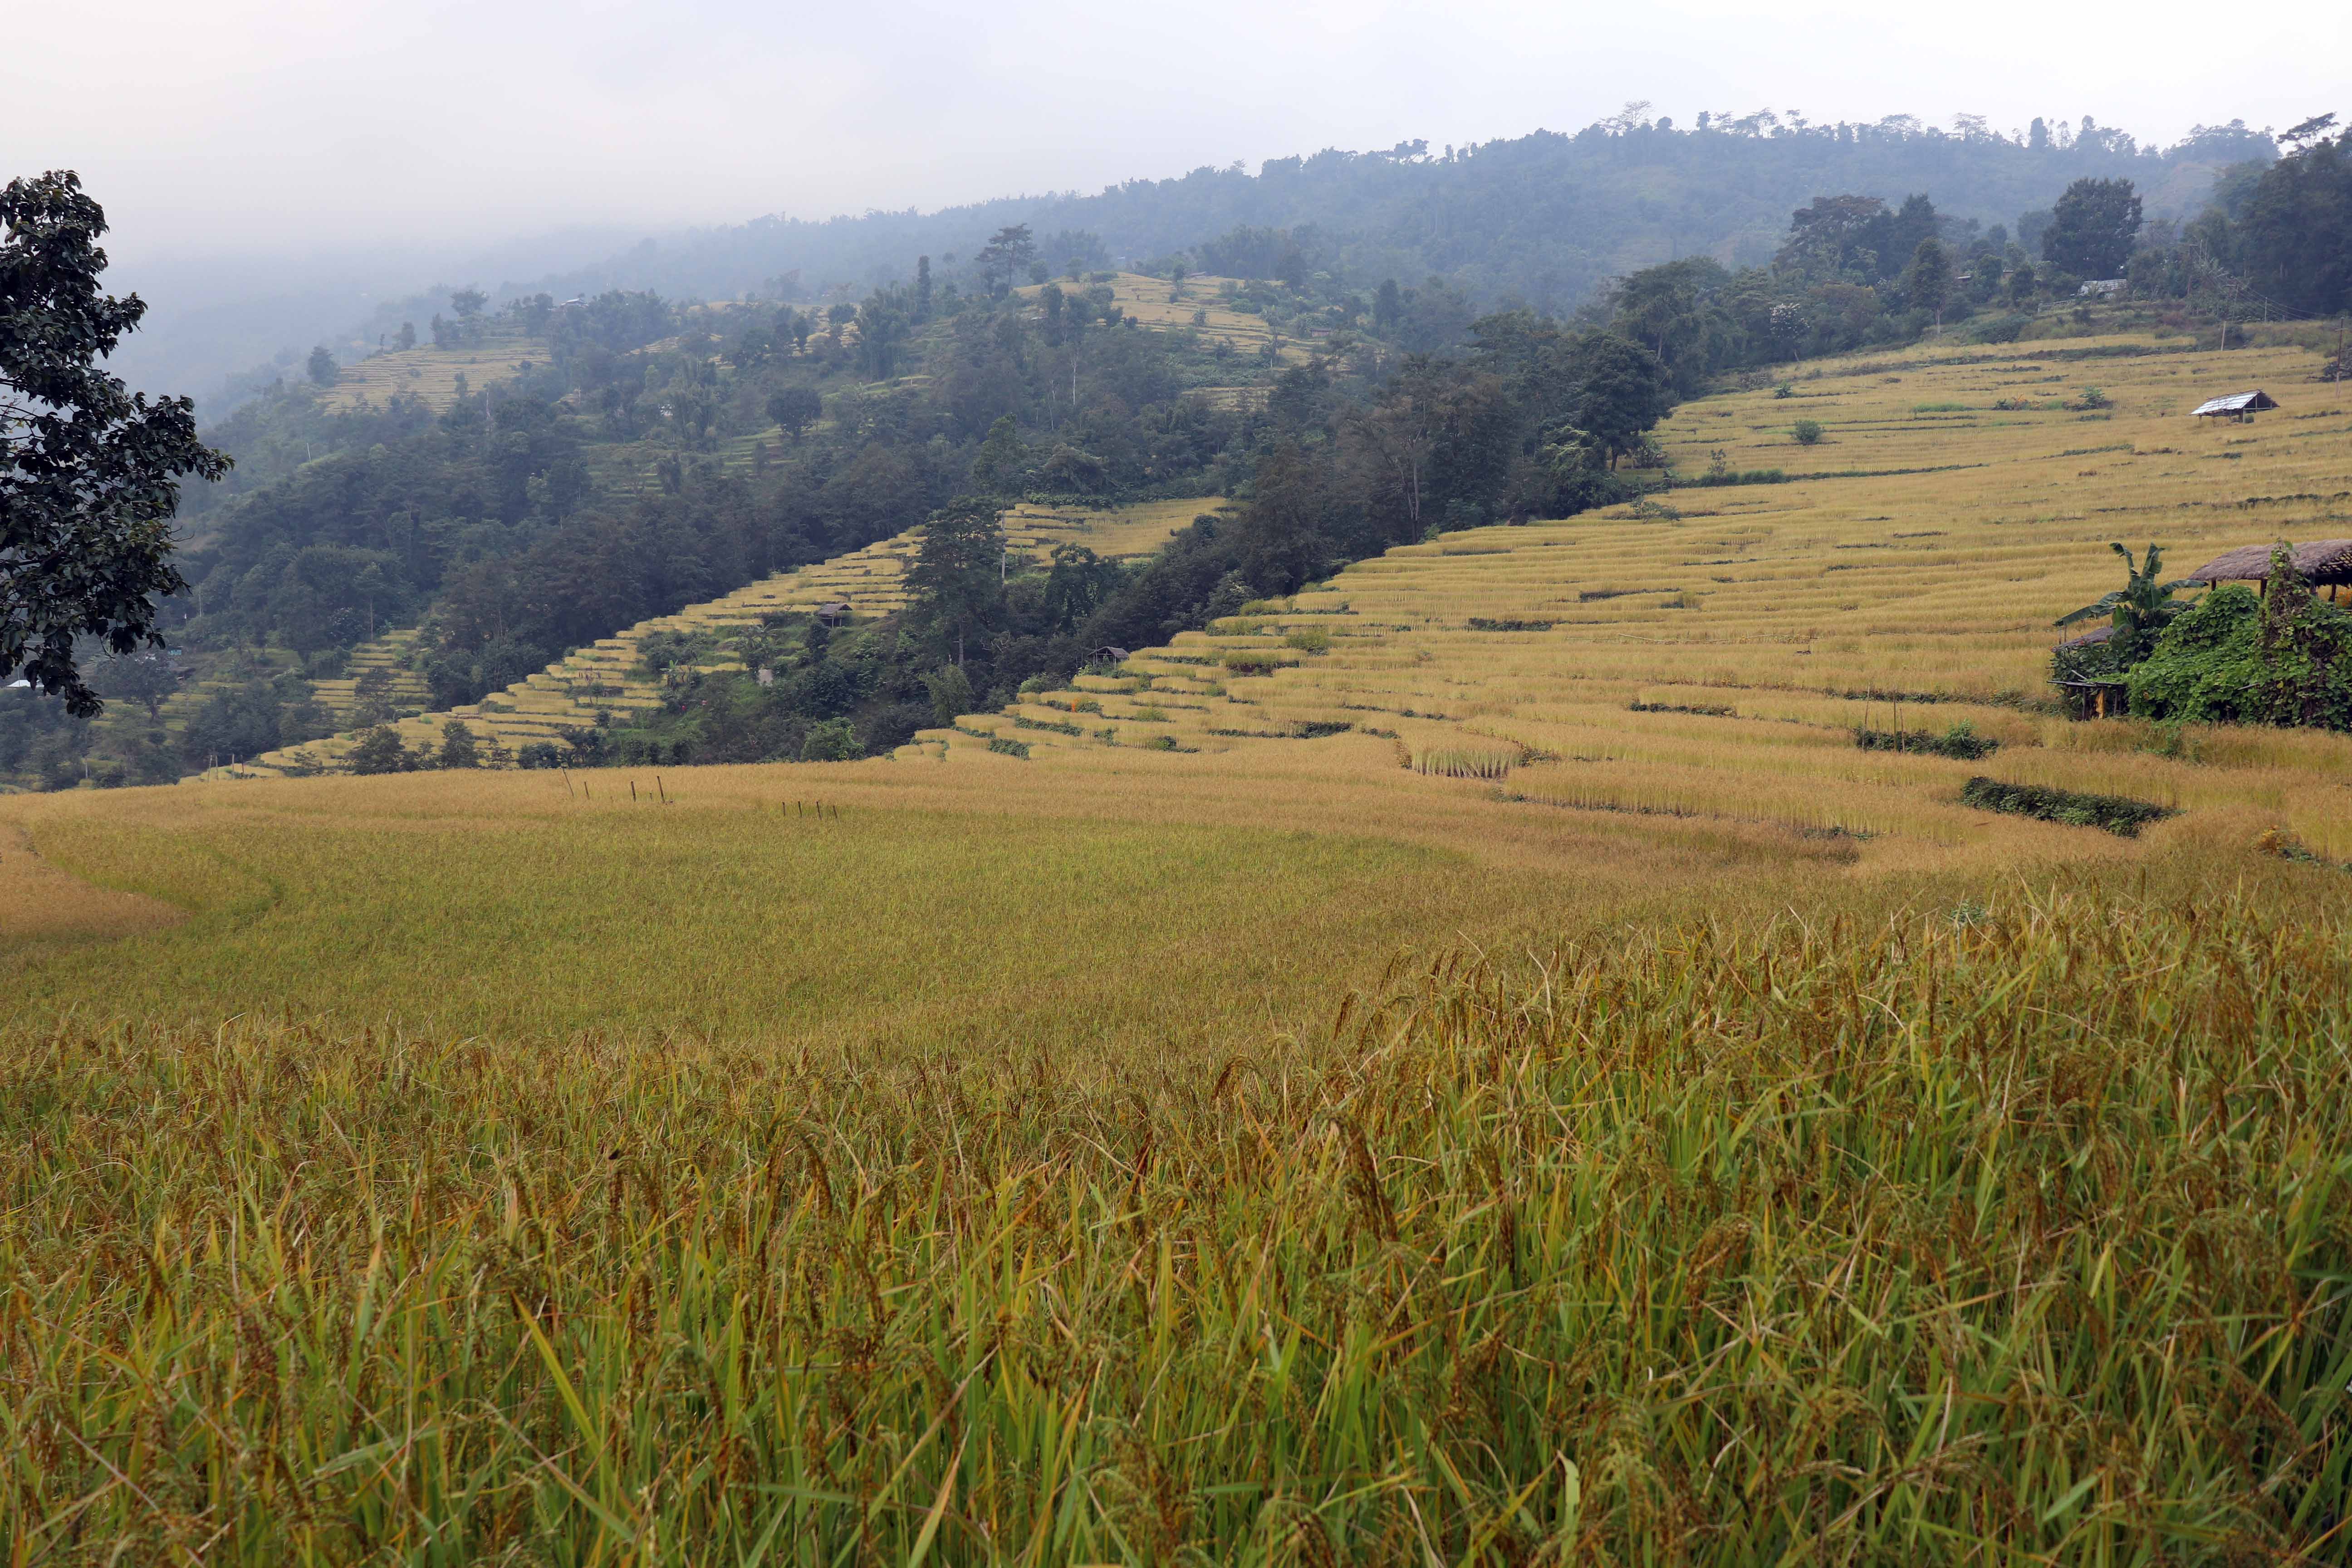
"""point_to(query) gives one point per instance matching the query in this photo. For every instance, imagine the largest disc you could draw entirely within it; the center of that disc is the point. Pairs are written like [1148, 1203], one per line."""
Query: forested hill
[1542, 219]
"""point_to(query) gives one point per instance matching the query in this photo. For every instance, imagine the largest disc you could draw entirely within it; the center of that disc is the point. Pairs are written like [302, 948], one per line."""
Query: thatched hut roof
[2323, 560]
[2091, 638]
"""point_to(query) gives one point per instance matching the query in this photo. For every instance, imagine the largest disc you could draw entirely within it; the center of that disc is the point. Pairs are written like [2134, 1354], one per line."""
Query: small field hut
[2089, 697]
[2241, 407]
[2326, 562]
[834, 612]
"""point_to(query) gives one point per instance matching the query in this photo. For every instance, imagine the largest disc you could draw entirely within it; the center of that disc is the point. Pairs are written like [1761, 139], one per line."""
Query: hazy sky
[247, 125]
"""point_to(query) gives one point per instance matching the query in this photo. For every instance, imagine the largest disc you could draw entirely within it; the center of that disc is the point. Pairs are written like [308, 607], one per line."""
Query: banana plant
[2140, 610]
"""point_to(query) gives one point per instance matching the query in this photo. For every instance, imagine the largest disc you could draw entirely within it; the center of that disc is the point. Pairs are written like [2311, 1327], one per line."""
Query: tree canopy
[89, 472]
[2092, 228]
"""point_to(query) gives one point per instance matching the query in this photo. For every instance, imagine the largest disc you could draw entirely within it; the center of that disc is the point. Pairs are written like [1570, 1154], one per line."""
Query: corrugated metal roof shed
[2253, 402]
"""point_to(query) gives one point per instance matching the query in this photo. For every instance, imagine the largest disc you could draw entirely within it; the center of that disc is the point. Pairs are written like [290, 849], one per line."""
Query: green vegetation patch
[1710, 710]
[2117, 813]
[1960, 742]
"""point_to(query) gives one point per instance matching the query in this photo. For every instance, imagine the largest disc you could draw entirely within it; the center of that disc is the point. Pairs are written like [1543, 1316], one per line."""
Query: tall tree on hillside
[796, 408]
[958, 567]
[2295, 241]
[1621, 390]
[1913, 224]
[1673, 310]
[88, 471]
[1826, 237]
[1007, 256]
[1002, 459]
[1434, 449]
[882, 333]
[2092, 228]
[321, 366]
[1927, 281]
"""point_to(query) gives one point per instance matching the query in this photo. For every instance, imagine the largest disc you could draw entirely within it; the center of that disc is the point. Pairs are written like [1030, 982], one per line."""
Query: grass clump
[2078, 808]
[1922, 1241]
[1961, 741]
[1508, 624]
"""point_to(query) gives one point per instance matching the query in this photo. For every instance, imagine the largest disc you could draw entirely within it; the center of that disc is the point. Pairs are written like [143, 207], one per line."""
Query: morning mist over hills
[1542, 219]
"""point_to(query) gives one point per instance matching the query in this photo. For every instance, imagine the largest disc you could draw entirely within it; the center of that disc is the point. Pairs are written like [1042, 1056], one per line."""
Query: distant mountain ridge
[1543, 218]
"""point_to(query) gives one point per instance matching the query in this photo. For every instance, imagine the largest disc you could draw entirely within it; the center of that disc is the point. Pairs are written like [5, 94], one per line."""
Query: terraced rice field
[1433, 1070]
[432, 373]
[1707, 660]
[608, 677]
[1165, 306]
[1692, 670]
[386, 659]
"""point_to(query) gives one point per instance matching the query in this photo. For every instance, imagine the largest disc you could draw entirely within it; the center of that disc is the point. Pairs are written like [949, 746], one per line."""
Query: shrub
[834, 740]
[1808, 432]
[1960, 742]
[1711, 710]
[458, 749]
[2284, 658]
[379, 751]
[1313, 639]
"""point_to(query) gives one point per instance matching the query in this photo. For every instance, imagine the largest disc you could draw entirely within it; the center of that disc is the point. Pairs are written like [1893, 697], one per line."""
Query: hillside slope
[1706, 662]
[608, 678]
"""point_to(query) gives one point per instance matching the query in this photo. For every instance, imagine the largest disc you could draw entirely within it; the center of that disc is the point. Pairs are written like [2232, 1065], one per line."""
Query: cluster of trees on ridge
[1545, 219]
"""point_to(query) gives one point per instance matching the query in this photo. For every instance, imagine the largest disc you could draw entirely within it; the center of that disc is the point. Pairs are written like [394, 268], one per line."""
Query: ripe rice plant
[2018, 1233]
[1465, 762]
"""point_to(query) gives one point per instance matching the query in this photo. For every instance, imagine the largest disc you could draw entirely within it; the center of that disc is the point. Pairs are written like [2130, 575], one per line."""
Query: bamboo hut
[2088, 698]
[2324, 564]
